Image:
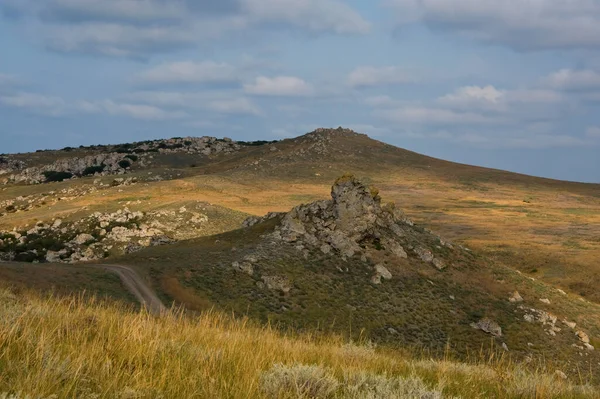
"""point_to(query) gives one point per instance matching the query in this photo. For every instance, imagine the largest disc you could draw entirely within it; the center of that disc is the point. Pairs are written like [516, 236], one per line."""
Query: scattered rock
[569, 324]
[545, 300]
[439, 264]
[516, 297]
[489, 326]
[245, 267]
[83, 238]
[381, 272]
[583, 337]
[424, 254]
[277, 283]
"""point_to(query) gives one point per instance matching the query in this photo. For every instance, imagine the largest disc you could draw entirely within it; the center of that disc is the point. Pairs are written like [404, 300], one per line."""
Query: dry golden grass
[549, 230]
[70, 347]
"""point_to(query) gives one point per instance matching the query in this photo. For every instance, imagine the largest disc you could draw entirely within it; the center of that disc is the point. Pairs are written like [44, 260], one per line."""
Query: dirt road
[136, 285]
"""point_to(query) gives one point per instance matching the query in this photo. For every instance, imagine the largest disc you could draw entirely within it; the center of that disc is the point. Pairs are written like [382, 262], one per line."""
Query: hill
[545, 228]
[353, 266]
[512, 263]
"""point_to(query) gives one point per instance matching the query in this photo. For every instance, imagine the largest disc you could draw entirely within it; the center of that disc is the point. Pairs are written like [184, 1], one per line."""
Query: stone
[560, 374]
[244, 267]
[545, 300]
[489, 326]
[515, 297]
[424, 254]
[326, 248]
[439, 264]
[569, 324]
[83, 238]
[583, 337]
[383, 272]
[277, 283]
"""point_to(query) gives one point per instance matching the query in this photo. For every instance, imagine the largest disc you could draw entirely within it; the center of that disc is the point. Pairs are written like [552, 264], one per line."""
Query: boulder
[515, 297]
[489, 326]
[83, 238]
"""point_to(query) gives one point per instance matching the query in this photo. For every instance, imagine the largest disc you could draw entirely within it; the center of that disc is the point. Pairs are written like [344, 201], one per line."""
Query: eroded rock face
[355, 223]
[352, 215]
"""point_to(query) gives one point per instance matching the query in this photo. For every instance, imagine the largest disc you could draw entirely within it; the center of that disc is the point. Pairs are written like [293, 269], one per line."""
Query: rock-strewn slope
[104, 234]
[356, 266]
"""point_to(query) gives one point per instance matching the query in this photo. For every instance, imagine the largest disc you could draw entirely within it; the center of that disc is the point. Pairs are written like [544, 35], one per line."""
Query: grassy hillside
[545, 228]
[64, 348]
[418, 306]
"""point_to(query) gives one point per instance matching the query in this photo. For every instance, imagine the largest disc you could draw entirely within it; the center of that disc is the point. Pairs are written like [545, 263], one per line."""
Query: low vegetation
[73, 347]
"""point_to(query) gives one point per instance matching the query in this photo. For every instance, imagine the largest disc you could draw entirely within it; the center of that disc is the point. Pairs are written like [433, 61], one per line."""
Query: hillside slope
[546, 228]
[73, 348]
[360, 268]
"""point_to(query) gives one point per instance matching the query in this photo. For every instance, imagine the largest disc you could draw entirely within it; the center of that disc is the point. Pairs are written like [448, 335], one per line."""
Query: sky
[512, 84]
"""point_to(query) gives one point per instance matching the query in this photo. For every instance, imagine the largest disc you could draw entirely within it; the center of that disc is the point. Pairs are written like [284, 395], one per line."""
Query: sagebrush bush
[298, 381]
[364, 385]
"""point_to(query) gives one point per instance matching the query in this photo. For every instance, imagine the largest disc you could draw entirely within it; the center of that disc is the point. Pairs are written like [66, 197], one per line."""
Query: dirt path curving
[136, 285]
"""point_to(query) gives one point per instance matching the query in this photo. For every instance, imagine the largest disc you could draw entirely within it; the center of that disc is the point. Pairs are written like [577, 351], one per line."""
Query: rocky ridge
[111, 160]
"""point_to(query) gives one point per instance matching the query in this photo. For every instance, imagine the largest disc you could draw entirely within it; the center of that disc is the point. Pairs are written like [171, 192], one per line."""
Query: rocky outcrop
[353, 215]
[101, 164]
[113, 160]
[353, 222]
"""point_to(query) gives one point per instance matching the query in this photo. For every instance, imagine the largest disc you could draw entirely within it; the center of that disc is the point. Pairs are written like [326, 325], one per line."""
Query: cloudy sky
[512, 84]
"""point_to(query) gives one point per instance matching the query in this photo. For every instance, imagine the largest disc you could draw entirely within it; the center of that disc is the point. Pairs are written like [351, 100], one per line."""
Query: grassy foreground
[81, 348]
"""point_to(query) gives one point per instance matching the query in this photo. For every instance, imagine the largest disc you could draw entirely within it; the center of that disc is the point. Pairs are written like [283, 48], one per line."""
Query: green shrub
[124, 164]
[90, 170]
[134, 158]
[53, 176]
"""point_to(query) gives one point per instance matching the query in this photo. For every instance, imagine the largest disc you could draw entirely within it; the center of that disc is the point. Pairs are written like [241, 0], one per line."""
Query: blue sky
[513, 84]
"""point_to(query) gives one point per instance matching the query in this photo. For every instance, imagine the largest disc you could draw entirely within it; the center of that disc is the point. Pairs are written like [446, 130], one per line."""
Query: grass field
[73, 347]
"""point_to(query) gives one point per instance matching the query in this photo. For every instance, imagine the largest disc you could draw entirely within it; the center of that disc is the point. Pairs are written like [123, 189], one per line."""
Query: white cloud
[568, 79]
[468, 95]
[490, 98]
[234, 106]
[113, 39]
[378, 76]
[222, 102]
[136, 111]
[132, 28]
[190, 72]
[288, 86]
[434, 116]
[313, 15]
[593, 132]
[524, 25]
[35, 103]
